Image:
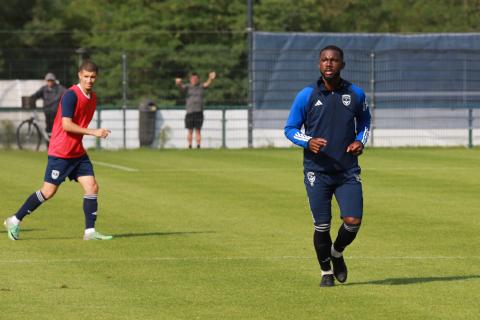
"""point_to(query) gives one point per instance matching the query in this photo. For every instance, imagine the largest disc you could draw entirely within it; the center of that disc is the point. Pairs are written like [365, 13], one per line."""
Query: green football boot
[96, 236]
[13, 230]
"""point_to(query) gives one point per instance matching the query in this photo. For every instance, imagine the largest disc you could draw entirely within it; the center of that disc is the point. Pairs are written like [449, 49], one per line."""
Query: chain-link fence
[421, 94]
[224, 127]
[423, 89]
[133, 73]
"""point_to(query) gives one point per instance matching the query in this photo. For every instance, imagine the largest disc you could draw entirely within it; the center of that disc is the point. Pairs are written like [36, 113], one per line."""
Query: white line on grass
[434, 168]
[263, 169]
[115, 166]
[142, 259]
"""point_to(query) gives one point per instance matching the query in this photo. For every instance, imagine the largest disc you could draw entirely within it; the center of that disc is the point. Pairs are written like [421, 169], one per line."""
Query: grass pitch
[227, 234]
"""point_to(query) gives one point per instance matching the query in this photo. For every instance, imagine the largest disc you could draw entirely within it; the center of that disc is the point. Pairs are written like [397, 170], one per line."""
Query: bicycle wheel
[28, 136]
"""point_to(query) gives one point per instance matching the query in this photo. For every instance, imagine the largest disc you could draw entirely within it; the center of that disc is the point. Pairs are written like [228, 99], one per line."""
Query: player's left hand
[102, 133]
[212, 75]
[355, 148]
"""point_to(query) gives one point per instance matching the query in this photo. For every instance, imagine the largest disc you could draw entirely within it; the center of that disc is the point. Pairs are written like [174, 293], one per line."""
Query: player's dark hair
[332, 47]
[194, 74]
[89, 66]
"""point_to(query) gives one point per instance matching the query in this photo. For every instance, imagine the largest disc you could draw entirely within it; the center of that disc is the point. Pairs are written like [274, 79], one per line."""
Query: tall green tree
[170, 38]
[164, 40]
[368, 16]
[14, 14]
[48, 38]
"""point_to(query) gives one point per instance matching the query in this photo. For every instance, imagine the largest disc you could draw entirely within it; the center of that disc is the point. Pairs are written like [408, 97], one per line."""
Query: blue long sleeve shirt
[341, 117]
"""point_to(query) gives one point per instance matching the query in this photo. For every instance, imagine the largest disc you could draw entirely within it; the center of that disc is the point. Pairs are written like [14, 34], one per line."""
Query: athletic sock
[13, 219]
[89, 230]
[335, 254]
[346, 234]
[32, 203]
[322, 243]
[90, 206]
[326, 272]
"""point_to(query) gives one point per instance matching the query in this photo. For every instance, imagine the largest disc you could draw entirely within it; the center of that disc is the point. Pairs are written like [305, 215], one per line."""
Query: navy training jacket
[341, 117]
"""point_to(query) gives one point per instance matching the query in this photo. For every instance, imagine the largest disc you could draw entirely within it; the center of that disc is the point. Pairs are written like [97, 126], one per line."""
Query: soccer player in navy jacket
[336, 119]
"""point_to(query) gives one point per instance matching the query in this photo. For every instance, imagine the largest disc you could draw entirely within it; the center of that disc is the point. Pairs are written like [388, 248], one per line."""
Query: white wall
[172, 122]
[237, 131]
[11, 91]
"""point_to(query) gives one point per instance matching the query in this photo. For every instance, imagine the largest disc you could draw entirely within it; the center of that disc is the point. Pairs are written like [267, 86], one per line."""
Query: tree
[14, 14]
[170, 38]
[164, 40]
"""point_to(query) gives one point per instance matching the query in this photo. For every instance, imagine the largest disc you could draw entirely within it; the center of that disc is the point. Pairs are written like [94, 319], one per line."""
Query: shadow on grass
[155, 234]
[403, 281]
[121, 235]
[25, 230]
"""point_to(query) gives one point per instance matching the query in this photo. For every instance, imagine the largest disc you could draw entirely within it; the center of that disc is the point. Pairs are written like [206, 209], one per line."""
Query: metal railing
[227, 127]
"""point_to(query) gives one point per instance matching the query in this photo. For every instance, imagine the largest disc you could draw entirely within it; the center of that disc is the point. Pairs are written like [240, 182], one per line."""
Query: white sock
[335, 253]
[14, 220]
[89, 230]
[326, 272]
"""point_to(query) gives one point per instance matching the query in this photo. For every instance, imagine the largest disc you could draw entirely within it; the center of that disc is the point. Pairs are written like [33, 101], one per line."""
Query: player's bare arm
[355, 148]
[69, 126]
[211, 76]
[315, 144]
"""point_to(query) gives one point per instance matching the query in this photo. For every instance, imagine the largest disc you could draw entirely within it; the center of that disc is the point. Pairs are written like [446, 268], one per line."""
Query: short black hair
[332, 47]
[89, 66]
[194, 74]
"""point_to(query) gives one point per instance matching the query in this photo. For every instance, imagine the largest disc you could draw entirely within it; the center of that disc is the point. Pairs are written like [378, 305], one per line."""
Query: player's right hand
[178, 81]
[315, 144]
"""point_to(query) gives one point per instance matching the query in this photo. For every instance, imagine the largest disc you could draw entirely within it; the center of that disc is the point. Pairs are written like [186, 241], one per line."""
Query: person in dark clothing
[336, 119]
[51, 94]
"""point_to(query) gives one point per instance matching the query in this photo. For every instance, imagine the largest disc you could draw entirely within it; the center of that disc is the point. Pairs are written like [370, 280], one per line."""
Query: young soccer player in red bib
[67, 156]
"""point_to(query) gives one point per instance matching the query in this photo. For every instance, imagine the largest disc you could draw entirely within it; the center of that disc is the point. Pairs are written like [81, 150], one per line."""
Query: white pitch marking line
[115, 166]
[226, 259]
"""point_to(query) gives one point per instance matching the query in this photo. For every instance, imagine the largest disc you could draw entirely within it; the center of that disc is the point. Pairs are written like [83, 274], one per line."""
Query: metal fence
[129, 75]
[229, 128]
[134, 74]
[419, 96]
[224, 127]
[423, 90]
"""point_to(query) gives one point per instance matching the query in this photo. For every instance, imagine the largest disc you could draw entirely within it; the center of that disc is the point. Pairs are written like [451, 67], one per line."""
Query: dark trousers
[49, 118]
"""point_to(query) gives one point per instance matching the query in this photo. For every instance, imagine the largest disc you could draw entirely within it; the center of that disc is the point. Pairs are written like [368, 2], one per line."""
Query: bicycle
[29, 135]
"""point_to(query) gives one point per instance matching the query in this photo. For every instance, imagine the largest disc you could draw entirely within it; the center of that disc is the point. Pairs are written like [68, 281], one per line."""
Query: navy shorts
[58, 169]
[194, 120]
[347, 188]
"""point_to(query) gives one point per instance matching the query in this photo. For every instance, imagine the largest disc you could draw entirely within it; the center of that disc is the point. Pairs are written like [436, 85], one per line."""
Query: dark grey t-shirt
[51, 96]
[194, 99]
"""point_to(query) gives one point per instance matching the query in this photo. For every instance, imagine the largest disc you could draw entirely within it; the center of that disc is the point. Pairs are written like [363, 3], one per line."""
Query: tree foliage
[166, 39]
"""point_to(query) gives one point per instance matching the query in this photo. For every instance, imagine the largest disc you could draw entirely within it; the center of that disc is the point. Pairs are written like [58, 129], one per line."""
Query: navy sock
[90, 206]
[346, 234]
[32, 203]
[322, 243]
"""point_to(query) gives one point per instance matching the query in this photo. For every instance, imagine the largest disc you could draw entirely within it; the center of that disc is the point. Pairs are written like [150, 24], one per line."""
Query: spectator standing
[194, 104]
[51, 93]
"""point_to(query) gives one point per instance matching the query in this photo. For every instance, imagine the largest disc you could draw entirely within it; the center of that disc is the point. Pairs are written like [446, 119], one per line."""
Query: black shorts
[194, 120]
